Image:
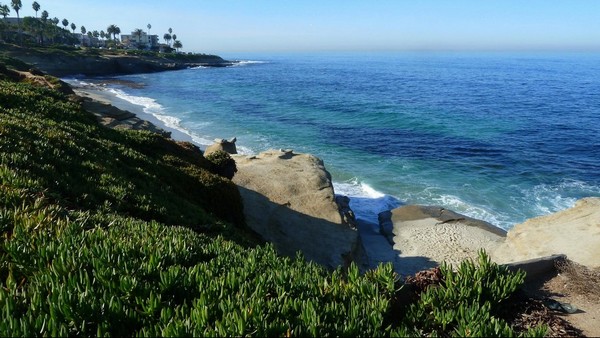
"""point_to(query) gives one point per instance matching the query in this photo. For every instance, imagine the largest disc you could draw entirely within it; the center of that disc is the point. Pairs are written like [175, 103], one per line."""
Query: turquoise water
[499, 137]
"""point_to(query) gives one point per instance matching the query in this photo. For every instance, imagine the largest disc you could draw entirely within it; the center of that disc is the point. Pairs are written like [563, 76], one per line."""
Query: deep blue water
[497, 136]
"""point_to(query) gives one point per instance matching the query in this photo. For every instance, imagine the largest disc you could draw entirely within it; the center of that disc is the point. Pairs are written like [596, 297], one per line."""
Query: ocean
[501, 137]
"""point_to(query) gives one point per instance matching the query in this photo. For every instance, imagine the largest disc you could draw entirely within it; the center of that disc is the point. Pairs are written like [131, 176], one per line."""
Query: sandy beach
[424, 237]
[98, 94]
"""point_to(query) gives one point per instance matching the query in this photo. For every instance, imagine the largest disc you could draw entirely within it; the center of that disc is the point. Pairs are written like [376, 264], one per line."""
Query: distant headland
[68, 61]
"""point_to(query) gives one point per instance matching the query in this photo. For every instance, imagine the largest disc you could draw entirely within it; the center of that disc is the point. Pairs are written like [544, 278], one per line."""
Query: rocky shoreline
[105, 63]
[289, 200]
[113, 117]
[282, 190]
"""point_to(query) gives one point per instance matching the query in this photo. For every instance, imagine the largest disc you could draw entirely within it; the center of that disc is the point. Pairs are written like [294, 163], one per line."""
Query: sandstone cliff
[289, 200]
[574, 232]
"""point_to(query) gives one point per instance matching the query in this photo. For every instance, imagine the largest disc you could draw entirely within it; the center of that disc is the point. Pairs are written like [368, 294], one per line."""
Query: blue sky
[229, 26]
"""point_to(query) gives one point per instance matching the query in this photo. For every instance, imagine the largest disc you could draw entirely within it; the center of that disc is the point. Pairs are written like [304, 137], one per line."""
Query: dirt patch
[579, 286]
[571, 287]
[522, 311]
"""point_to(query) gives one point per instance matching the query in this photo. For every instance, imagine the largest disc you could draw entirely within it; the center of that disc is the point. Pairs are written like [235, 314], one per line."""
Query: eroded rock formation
[574, 232]
[289, 200]
[227, 146]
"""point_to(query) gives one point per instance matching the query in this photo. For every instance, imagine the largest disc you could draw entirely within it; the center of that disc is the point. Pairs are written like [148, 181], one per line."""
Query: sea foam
[365, 201]
[479, 212]
[248, 62]
[152, 107]
[550, 198]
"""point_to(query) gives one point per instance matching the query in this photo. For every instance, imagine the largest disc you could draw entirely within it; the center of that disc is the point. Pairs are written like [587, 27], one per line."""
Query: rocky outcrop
[36, 77]
[574, 232]
[426, 236]
[227, 146]
[289, 200]
[113, 117]
[101, 63]
[113, 65]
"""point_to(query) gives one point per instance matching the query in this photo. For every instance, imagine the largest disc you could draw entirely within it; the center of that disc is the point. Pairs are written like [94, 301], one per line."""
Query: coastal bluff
[289, 200]
[61, 63]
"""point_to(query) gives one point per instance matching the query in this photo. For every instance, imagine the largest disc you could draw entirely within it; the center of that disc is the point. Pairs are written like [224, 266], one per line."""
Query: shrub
[223, 164]
[67, 273]
[44, 134]
[465, 302]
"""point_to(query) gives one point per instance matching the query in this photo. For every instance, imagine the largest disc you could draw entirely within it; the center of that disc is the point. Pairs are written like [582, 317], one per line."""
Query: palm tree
[96, 35]
[73, 27]
[110, 29]
[174, 36]
[177, 44]
[83, 31]
[167, 38]
[149, 37]
[114, 30]
[44, 25]
[16, 5]
[65, 23]
[55, 21]
[36, 7]
[4, 11]
[138, 32]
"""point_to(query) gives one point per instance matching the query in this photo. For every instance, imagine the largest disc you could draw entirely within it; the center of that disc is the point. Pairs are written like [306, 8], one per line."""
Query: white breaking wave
[247, 62]
[456, 204]
[75, 82]
[151, 106]
[200, 140]
[553, 198]
[365, 201]
[234, 64]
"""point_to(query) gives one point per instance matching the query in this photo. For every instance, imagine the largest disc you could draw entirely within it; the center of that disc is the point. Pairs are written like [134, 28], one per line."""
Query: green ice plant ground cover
[123, 233]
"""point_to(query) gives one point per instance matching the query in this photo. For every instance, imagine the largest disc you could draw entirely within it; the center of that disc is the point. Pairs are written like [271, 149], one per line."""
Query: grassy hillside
[108, 232]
